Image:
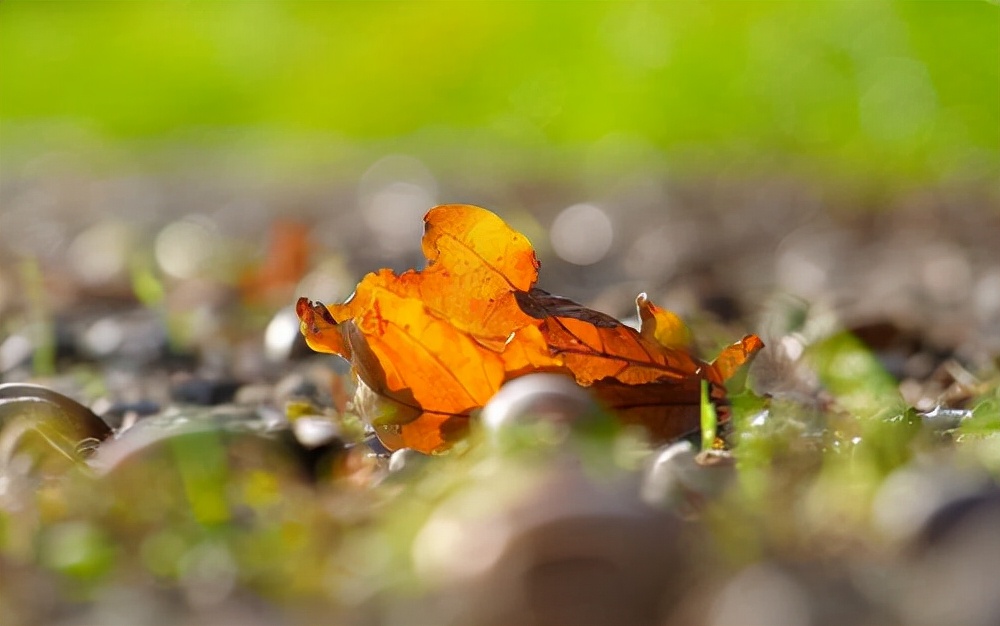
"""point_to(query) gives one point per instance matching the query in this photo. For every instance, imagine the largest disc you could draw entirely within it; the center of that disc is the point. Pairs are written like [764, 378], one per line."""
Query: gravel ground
[235, 489]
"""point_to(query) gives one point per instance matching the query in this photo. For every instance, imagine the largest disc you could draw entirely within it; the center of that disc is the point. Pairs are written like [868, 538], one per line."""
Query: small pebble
[315, 431]
[282, 335]
[548, 547]
[15, 350]
[679, 478]
[406, 461]
[254, 394]
[951, 576]
[913, 494]
[769, 593]
[537, 409]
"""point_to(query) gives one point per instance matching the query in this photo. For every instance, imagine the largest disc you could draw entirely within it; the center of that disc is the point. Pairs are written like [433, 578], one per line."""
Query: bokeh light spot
[394, 193]
[582, 234]
[184, 247]
[99, 254]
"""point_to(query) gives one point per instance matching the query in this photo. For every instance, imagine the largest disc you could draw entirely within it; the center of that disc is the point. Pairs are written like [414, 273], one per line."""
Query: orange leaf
[651, 383]
[735, 356]
[661, 325]
[596, 346]
[475, 265]
[667, 409]
[284, 265]
[429, 347]
[438, 343]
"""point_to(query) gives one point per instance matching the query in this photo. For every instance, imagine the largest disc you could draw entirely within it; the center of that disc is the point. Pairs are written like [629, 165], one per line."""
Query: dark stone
[117, 412]
[949, 520]
[204, 391]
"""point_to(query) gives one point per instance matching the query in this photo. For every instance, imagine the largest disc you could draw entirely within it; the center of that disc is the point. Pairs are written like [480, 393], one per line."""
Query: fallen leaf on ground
[430, 347]
[284, 264]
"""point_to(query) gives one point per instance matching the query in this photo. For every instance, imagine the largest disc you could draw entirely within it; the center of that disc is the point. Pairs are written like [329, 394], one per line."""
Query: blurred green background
[880, 92]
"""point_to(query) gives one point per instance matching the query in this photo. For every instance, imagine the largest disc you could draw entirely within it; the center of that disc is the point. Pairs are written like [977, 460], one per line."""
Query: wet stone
[226, 425]
[537, 409]
[560, 549]
[770, 592]
[951, 575]
[53, 430]
[941, 419]
[679, 478]
[407, 461]
[919, 492]
[214, 466]
[952, 519]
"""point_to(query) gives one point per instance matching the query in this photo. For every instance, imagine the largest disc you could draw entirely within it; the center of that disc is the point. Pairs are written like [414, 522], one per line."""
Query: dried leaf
[284, 265]
[429, 347]
[666, 409]
[660, 325]
[735, 356]
[594, 346]
[475, 265]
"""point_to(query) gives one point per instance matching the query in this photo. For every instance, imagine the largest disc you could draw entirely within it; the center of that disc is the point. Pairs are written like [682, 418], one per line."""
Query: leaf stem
[709, 419]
